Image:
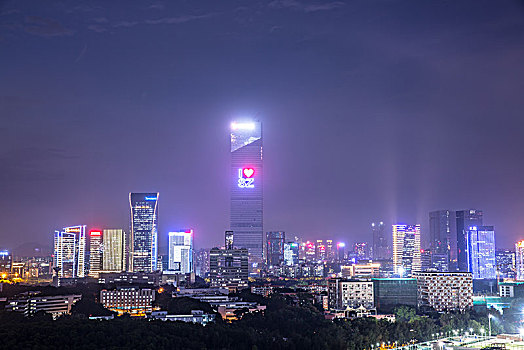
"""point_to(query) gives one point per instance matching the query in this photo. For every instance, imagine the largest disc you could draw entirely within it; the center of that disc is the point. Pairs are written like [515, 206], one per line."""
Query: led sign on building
[246, 178]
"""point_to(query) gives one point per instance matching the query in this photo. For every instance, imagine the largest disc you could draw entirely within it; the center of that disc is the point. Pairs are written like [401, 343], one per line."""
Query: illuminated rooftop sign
[150, 198]
[95, 233]
[246, 178]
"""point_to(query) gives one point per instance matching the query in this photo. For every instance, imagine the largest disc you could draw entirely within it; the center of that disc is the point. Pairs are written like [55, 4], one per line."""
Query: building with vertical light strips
[481, 252]
[70, 252]
[95, 253]
[144, 231]
[115, 250]
[445, 291]
[406, 250]
[246, 186]
[181, 251]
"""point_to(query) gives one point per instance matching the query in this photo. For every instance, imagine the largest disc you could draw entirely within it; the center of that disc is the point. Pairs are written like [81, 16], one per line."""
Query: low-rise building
[513, 289]
[133, 278]
[196, 316]
[444, 291]
[131, 300]
[345, 293]
[31, 303]
[392, 292]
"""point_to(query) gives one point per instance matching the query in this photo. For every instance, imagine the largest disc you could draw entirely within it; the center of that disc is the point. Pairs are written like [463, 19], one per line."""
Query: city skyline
[342, 110]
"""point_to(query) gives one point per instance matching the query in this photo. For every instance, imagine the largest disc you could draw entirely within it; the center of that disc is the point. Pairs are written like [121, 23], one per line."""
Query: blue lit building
[246, 190]
[465, 220]
[481, 252]
[144, 231]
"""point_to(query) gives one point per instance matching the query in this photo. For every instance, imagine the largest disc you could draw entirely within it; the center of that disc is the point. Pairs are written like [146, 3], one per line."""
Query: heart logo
[248, 172]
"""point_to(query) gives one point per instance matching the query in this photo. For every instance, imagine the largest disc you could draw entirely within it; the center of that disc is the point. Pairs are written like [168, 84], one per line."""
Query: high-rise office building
[320, 250]
[443, 238]
[381, 250]
[341, 254]
[6, 261]
[519, 260]
[115, 254]
[228, 268]
[330, 250]
[361, 250]
[465, 220]
[291, 252]
[275, 247]
[246, 189]
[95, 253]
[481, 252]
[406, 249]
[505, 260]
[425, 260]
[144, 231]
[70, 252]
[181, 251]
[202, 262]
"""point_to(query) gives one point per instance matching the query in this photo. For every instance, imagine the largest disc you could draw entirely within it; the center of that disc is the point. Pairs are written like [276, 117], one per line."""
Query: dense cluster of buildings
[392, 269]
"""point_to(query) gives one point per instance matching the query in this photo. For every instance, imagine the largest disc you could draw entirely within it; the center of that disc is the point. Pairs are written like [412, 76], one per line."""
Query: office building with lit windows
[406, 250]
[443, 239]
[95, 253]
[481, 252]
[115, 250]
[275, 247]
[246, 185]
[144, 231]
[69, 252]
[519, 260]
[444, 291]
[291, 252]
[6, 261]
[181, 252]
[131, 300]
[228, 267]
[465, 220]
[505, 260]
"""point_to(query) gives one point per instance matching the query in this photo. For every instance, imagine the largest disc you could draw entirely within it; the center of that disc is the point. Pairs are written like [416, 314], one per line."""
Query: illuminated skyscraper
[246, 189]
[505, 260]
[381, 250]
[95, 253]
[320, 250]
[406, 249]
[181, 251]
[481, 252]
[519, 260]
[144, 221]
[115, 250]
[465, 220]
[275, 247]
[70, 251]
[291, 251]
[361, 250]
[443, 237]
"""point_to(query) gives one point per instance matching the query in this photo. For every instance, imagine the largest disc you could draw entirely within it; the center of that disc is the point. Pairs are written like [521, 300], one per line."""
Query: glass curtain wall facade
[144, 235]
[246, 190]
[481, 252]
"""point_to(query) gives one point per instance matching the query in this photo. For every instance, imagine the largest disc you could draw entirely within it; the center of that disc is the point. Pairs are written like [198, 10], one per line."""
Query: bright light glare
[242, 126]
[521, 332]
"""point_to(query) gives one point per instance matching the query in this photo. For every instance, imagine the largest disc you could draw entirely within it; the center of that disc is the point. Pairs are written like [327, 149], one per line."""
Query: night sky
[371, 110]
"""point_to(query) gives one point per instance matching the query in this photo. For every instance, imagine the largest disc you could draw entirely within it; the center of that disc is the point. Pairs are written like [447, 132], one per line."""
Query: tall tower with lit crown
[246, 190]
